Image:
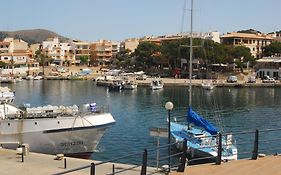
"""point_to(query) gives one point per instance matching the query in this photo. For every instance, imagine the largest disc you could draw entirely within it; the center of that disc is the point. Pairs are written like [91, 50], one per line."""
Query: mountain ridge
[32, 36]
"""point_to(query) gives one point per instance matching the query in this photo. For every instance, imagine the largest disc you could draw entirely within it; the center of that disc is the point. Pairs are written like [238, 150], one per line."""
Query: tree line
[170, 53]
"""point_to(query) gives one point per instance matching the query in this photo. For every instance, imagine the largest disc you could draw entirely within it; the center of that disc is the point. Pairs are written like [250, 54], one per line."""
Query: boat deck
[268, 165]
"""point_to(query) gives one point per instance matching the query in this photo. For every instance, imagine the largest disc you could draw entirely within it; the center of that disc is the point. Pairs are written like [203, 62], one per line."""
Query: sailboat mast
[191, 52]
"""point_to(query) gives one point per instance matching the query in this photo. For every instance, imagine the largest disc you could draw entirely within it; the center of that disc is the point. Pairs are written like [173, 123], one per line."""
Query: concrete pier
[268, 165]
[34, 164]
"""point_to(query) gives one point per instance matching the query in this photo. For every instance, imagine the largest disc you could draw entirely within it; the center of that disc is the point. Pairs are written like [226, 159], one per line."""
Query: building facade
[102, 52]
[130, 44]
[270, 66]
[82, 50]
[255, 42]
[14, 51]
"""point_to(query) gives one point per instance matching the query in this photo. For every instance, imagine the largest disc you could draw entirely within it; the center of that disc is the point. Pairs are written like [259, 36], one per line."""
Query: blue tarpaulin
[197, 120]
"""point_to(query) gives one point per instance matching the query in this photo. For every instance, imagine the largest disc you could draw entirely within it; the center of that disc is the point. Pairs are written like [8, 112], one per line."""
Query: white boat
[208, 85]
[6, 95]
[130, 85]
[156, 84]
[201, 135]
[29, 77]
[10, 80]
[116, 85]
[38, 77]
[50, 129]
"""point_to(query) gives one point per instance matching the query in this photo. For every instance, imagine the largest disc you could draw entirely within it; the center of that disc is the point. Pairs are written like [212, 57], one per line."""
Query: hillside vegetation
[31, 36]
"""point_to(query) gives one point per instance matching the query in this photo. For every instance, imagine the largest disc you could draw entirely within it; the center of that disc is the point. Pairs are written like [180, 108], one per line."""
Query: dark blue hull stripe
[77, 128]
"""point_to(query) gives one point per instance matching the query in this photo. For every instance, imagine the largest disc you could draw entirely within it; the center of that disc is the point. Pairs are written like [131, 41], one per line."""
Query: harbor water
[135, 111]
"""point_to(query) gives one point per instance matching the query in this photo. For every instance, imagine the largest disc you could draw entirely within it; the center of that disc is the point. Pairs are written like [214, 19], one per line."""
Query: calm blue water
[231, 109]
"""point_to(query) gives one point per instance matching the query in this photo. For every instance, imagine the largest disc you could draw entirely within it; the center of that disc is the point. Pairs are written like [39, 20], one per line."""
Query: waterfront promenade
[43, 164]
[168, 82]
[269, 165]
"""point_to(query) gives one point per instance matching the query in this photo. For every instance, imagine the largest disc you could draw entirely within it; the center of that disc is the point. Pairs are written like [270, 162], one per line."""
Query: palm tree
[41, 58]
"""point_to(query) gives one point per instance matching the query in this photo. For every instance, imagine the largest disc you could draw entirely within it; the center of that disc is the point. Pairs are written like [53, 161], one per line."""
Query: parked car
[232, 79]
[251, 79]
[268, 79]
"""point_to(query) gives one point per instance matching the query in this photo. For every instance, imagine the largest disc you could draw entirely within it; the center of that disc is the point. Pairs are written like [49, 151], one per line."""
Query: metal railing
[254, 142]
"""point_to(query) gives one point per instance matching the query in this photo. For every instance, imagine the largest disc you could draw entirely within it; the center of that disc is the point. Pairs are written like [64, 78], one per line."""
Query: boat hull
[202, 146]
[68, 135]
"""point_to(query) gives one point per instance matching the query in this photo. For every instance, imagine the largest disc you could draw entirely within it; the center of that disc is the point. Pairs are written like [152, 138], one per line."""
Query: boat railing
[32, 113]
[259, 142]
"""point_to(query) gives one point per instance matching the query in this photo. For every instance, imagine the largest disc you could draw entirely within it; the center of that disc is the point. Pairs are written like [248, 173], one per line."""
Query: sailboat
[200, 134]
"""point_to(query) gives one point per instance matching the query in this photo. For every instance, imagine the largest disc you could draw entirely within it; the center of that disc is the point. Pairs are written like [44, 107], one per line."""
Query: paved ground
[270, 165]
[42, 164]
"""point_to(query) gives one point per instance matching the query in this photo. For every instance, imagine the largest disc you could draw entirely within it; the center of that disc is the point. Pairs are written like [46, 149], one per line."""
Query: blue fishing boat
[201, 136]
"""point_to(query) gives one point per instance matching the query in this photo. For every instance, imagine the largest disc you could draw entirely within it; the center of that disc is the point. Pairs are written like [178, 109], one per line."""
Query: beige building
[4, 47]
[130, 44]
[14, 51]
[101, 52]
[255, 42]
[82, 49]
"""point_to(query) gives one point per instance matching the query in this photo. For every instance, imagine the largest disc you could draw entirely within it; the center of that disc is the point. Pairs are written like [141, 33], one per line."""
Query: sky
[117, 20]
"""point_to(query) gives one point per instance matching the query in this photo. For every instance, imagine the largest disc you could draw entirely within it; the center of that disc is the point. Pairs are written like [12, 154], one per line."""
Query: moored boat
[208, 85]
[200, 135]
[130, 85]
[156, 84]
[202, 143]
[116, 85]
[69, 130]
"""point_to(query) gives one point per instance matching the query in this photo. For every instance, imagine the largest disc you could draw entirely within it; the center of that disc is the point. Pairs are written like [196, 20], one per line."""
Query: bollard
[113, 169]
[218, 161]
[256, 146]
[64, 163]
[22, 157]
[144, 162]
[183, 157]
[93, 168]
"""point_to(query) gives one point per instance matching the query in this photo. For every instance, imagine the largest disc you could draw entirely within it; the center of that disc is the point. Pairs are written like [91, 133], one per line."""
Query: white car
[232, 79]
[269, 80]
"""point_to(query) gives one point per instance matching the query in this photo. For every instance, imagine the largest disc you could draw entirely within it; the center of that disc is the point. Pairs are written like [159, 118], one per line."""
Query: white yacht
[69, 130]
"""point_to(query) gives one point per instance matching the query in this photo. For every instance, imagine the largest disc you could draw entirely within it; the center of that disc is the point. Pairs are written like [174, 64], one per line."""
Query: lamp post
[169, 106]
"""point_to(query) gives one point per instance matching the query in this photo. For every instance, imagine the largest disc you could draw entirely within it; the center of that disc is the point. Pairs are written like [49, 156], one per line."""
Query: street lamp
[169, 106]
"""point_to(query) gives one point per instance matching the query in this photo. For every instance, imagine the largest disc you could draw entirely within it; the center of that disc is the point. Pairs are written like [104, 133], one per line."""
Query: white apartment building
[270, 66]
[59, 53]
